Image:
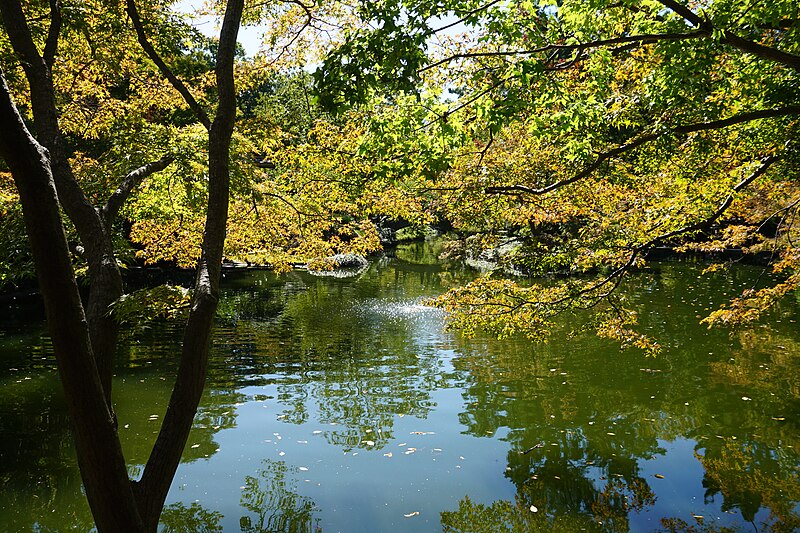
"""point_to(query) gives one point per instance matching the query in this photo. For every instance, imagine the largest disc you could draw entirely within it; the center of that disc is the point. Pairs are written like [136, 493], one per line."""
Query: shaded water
[343, 405]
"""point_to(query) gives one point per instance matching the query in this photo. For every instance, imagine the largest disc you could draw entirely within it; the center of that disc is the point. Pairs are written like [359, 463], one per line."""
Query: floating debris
[303, 469]
[534, 509]
[195, 445]
[746, 398]
[369, 443]
[389, 454]
[529, 450]
[409, 515]
[659, 476]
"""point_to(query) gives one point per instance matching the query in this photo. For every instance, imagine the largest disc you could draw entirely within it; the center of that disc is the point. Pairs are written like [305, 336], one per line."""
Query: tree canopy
[597, 132]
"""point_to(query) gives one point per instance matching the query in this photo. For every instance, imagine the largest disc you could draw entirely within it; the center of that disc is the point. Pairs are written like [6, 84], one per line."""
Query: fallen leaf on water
[612, 434]
[659, 476]
[779, 418]
[410, 450]
[534, 509]
[195, 445]
[409, 515]
[369, 443]
[387, 454]
[746, 398]
[303, 469]
[402, 444]
[316, 432]
[281, 453]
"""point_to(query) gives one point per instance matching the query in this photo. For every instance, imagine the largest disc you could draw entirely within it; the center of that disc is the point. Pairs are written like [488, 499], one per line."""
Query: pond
[345, 405]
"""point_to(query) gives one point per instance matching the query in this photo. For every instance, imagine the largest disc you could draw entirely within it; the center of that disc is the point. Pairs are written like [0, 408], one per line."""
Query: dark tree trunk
[85, 350]
[104, 275]
[163, 462]
[100, 458]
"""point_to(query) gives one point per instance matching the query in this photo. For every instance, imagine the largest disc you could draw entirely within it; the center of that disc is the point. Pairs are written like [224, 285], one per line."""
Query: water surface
[345, 405]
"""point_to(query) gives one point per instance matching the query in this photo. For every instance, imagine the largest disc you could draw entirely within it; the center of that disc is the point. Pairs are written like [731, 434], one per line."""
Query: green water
[344, 405]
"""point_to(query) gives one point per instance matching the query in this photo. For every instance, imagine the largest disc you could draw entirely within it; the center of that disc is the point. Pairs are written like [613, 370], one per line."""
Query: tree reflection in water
[274, 504]
[576, 429]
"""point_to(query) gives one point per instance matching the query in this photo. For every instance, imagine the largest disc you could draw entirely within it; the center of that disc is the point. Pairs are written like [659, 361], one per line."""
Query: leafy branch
[641, 140]
[151, 52]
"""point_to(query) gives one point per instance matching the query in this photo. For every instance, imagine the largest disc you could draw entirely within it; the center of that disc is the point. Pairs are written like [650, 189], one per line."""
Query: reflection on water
[344, 405]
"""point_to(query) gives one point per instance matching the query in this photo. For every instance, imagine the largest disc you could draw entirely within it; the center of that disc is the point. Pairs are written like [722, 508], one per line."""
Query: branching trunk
[102, 464]
[117, 504]
[105, 277]
[163, 462]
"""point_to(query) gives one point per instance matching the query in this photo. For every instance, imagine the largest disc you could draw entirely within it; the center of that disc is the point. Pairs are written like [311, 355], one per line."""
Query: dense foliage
[599, 131]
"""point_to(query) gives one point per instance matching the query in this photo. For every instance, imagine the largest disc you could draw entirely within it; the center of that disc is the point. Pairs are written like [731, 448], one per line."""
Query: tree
[83, 341]
[600, 131]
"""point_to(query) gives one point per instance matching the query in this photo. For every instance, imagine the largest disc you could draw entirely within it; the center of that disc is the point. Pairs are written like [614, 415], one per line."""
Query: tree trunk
[116, 503]
[104, 275]
[100, 458]
[163, 462]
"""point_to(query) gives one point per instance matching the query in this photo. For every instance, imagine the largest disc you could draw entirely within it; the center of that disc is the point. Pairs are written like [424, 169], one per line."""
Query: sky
[250, 36]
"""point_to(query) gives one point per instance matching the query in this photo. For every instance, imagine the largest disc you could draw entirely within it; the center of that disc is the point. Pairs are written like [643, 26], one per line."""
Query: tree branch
[643, 38]
[643, 139]
[465, 17]
[766, 162]
[51, 45]
[617, 274]
[131, 180]
[759, 50]
[602, 158]
[176, 83]
[152, 488]
[728, 37]
[683, 11]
